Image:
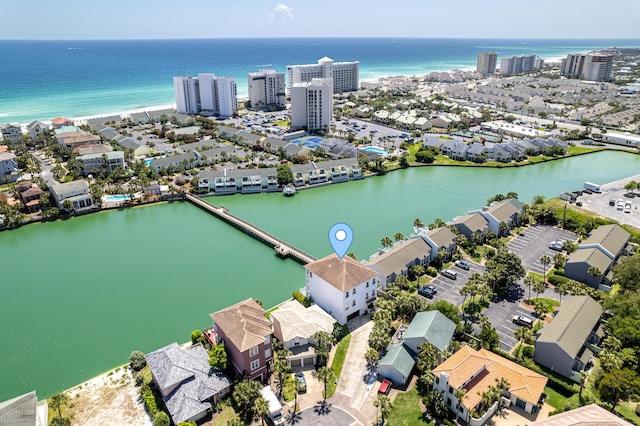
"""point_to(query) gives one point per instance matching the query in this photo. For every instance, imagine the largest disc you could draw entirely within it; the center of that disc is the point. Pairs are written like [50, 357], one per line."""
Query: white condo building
[345, 76]
[207, 92]
[312, 104]
[266, 89]
[518, 64]
[590, 66]
[487, 63]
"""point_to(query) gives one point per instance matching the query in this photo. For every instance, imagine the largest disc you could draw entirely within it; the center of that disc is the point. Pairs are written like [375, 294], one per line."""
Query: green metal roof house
[429, 326]
[397, 364]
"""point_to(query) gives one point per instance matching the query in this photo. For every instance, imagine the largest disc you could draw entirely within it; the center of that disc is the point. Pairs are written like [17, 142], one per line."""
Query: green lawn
[475, 306]
[283, 123]
[225, 416]
[554, 399]
[338, 361]
[628, 411]
[550, 304]
[406, 410]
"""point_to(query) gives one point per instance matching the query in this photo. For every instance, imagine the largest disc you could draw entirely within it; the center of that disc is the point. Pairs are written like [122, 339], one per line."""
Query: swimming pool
[375, 149]
[116, 198]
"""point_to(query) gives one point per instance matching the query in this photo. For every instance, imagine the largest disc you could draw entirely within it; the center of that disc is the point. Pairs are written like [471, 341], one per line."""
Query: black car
[426, 292]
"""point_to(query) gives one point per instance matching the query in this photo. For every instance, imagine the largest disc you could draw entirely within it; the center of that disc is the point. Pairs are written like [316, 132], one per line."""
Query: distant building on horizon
[487, 63]
[519, 64]
[588, 66]
[207, 93]
[345, 76]
[312, 105]
[266, 89]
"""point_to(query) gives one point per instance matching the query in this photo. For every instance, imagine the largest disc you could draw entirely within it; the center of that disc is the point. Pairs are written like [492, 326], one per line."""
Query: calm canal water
[77, 296]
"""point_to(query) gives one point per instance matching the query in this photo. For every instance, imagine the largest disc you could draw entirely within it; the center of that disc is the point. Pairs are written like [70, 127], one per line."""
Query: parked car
[432, 288]
[385, 387]
[449, 274]
[522, 320]
[556, 245]
[426, 292]
[302, 383]
[612, 202]
[463, 264]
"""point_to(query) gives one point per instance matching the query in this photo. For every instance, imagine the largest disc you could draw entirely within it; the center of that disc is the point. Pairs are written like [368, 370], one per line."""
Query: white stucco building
[345, 288]
[345, 76]
[207, 92]
[266, 89]
[312, 105]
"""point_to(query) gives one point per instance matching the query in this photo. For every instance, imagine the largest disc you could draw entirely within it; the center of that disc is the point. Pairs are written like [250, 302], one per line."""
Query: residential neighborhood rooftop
[344, 274]
[244, 324]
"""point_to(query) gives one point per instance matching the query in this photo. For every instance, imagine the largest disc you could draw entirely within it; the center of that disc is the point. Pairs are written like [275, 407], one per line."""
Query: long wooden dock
[281, 247]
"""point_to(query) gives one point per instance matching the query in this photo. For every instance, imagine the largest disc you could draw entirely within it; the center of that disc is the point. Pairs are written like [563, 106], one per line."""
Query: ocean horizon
[44, 79]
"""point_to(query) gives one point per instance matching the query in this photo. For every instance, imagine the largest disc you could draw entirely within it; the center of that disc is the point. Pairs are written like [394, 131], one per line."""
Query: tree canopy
[503, 269]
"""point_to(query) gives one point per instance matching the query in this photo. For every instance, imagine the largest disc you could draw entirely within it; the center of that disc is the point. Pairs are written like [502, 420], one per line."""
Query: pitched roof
[433, 327]
[487, 366]
[612, 238]
[592, 256]
[397, 258]
[293, 320]
[189, 369]
[441, 236]
[344, 274]
[505, 209]
[572, 325]
[589, 415]
[244, 324]
[19, 411]
[474, 221]
[399, 358]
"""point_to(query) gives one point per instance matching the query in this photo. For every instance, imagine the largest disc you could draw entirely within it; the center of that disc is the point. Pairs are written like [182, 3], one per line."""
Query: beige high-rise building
[345, 76]
[266, 89]
[312, 105]
[588, 66]
[487, 63]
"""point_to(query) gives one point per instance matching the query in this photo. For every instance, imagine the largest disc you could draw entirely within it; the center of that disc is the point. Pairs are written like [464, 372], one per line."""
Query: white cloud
[280, 12]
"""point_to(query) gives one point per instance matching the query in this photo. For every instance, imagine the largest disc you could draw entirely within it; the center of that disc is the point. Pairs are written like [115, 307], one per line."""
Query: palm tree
[504, 229]
[521, 333]
[561, 289]
[398, 236]
[326, 375]
[529, 281]
[595, 272]
[261, 408]
[545, 260]
[539, 287]
[459, 394]
[57, 401]
[383, 403]
[418, 223]
[558, 261]
[584, 375]
[386, 242]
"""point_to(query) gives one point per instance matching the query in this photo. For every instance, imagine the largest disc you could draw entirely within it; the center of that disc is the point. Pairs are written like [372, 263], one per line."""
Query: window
[450, 390]
[354, 303]
[354, 291]
[366, 296]
[267, 340]
[367, 284]
[346, 294]
[373, 293]
[222, 392]
[437, 380]
[255, 365]
[253, 351]
[267, 353]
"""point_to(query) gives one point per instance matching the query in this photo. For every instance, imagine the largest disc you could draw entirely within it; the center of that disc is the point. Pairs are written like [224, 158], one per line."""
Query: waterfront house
[60, 122]
[455, 149]
[397, 260]
[10, 133]
[441, 240]
[107, 160]
[475, 372]
[242, 180]
[506, 211]
[471, 224]
[568, 343]
[189, 386]
[294, 325]
[36, 128]
[29, 194]
[76, 192]
[8, 167]
[600, 250]
[345, 288]
[24, 410]
[246, 334]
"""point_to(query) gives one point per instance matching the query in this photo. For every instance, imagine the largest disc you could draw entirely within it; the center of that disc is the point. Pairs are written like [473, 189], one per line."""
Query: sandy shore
[109, 399]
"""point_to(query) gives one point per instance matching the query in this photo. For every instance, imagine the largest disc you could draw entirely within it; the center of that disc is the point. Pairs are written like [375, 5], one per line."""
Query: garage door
[520, 403]
[308, 361]
[295, 363]
[353, 315]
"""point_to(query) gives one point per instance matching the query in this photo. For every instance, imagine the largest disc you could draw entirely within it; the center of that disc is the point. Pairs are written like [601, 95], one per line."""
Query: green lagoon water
[77, 296]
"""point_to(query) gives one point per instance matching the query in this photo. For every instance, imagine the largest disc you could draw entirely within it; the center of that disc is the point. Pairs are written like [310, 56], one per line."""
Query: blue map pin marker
[340, 237]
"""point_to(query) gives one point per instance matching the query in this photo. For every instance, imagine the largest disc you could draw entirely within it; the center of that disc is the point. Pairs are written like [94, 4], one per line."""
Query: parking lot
[534, 243]
[599, 203]
[449, 289]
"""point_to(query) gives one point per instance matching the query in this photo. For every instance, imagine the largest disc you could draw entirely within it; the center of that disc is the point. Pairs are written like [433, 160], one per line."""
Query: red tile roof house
[246, 334]
[475, 372]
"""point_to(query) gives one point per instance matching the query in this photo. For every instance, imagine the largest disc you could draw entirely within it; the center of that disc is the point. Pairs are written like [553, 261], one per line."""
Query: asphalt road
[449, 289]
[534, 243]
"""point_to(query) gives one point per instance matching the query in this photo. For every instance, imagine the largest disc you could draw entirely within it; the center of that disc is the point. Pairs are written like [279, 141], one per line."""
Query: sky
[144, 19]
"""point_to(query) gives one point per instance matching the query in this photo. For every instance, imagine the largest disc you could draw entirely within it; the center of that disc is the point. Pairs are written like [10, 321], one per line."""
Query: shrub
[161, 419]
[137, 360]
[527, 351]
[306, 302]
[557, 279]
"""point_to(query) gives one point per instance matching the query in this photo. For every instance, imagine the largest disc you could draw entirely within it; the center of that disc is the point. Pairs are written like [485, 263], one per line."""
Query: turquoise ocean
[41, 80]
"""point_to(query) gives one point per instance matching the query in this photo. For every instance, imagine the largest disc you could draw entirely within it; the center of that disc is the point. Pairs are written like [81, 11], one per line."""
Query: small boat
[289, 190]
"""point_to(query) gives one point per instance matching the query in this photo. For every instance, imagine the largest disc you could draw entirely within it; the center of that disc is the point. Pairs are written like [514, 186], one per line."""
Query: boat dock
[281, 247]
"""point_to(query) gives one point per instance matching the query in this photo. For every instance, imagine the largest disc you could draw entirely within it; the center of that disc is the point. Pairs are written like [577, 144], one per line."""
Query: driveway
[322, 415]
